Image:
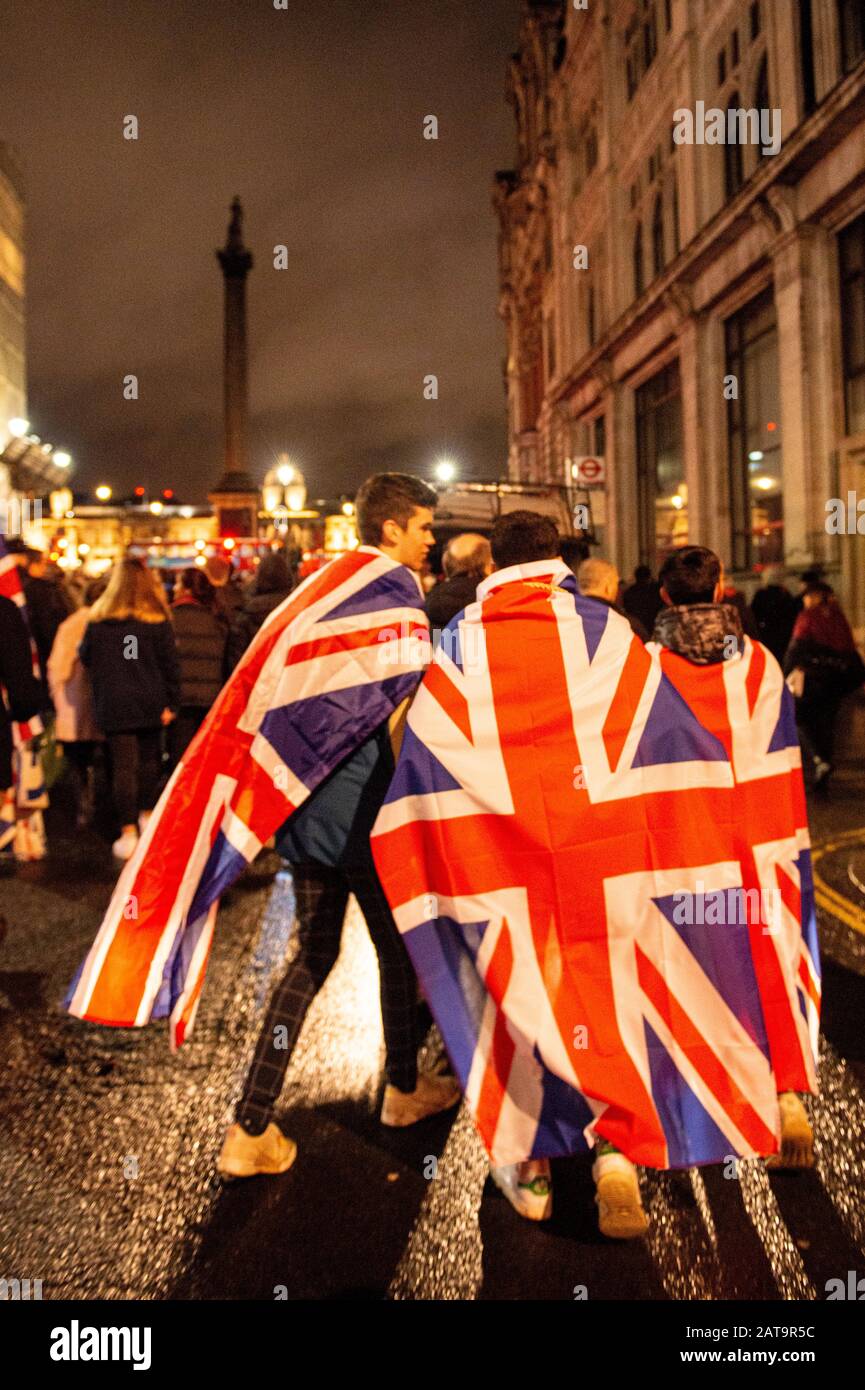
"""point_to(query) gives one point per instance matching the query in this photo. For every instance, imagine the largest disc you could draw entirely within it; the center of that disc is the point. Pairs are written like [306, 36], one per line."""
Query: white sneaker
[617, 1193]
[528, 1187]
[432, 1094]
[124, 848]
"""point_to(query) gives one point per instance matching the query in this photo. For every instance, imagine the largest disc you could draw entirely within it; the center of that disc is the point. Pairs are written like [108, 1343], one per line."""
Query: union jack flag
[325, 670]
[562, 792]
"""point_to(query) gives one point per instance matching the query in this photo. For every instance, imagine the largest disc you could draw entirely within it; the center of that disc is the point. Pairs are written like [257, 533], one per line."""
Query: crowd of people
[130, 674]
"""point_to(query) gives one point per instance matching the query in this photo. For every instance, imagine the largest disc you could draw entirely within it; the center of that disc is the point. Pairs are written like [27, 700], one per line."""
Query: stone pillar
[808, 370]
[235, 497]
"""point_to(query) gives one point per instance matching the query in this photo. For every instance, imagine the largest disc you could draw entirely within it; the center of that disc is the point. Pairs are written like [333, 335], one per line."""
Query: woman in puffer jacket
[201, 634]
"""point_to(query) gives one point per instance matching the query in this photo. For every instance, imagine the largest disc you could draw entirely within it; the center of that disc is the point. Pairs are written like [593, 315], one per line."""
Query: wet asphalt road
[108, 1144]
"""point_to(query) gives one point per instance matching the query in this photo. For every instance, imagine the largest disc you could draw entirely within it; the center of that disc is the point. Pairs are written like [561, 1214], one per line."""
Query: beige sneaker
[797, 1138]
[243, 1155]
[431, 1095]
[617, 1193]
[528, 1187]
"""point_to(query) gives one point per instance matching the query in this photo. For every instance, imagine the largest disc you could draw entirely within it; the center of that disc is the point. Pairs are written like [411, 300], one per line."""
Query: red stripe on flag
[623, 707]
[711, 1070]
[455, 706]
[494, 1085]
[754, 678]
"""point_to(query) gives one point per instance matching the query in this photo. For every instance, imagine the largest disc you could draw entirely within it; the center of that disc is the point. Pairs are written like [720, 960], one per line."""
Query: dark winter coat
[47, 607]
[450, 597]
[134, 672]
[643, 601]
[272, 585]
[201, 635]
[25, 693]
[774, 609]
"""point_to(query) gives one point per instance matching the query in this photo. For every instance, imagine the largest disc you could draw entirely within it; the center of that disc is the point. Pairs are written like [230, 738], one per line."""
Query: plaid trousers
[322, 895]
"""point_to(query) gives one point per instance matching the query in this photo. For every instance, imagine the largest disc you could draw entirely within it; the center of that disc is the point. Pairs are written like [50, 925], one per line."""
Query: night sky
[314, 117]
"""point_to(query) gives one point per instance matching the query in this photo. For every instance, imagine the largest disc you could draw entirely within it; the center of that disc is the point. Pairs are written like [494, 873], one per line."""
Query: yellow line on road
[829, 898]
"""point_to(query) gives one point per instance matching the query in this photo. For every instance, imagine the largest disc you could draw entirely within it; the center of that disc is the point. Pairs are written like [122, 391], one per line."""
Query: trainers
[124, 848]
[617, 1193]
[431, 1095]
[528, 1187]
[797, 1138]
[243, 1155]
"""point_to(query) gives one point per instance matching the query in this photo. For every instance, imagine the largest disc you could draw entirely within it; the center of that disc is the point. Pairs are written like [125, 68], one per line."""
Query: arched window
[734, 175]
[658, 237]
[639, 274]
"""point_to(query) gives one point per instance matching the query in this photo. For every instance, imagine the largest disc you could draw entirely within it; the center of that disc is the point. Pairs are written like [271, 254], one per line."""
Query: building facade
[13, 372]
[682, 273]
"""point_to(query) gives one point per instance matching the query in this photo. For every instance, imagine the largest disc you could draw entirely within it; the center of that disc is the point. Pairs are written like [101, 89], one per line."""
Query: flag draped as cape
[597, 854]
[325, 670]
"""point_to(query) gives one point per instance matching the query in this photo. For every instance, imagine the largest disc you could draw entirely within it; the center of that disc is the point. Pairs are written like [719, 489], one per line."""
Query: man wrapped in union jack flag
[597, 853]
[299, 738]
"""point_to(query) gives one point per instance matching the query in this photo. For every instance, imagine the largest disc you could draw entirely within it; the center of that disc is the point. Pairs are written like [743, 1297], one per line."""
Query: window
[641, 44]
[599, 445]
[591, 324]
[635, 190]
[658, 238]
[754, 435]
[806, 57]
[668, 15]
[722, 67]
[734, 49]
[851, 246]
[762, 100]
[674, 216]
[755, 19]
[662, 496]
[639, 278]
[734, 175]
[550, 336]
[851, 22]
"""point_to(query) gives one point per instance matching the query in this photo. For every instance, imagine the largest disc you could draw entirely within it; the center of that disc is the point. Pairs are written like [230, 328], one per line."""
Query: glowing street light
[18, 427]
[103, 492]
[62, 458]
[446, 470]
[156, 508]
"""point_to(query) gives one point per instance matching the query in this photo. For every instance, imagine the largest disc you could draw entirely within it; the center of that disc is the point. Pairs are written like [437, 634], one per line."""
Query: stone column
[235, 497]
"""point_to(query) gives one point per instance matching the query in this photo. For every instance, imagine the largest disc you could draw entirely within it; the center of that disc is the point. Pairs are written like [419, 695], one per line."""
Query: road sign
[589, 470]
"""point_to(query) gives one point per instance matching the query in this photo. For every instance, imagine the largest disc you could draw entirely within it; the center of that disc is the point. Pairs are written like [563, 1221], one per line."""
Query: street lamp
[103, 492]
[156, 508]
[18, 427]
[62, 458]
[446, 470]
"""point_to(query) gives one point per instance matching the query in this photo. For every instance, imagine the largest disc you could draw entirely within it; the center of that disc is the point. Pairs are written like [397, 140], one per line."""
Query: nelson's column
[235, 498]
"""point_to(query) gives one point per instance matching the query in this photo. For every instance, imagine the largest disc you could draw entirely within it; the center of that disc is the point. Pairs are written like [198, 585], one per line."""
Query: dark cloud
[314, 116]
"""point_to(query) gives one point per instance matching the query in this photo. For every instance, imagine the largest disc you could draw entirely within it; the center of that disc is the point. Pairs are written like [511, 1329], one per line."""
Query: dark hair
[821, 588]
[196, 583]
[521, 537]
[389, 497]
[273, 575]
[642, 574]
[94, 589]
[574, 550]
[690, 574]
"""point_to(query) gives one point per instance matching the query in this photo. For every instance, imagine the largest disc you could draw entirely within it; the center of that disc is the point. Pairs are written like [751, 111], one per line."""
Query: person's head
[598, 579]
[467, 554]
[574, 550]
[642, 574]
[132, 592]
[774, 576]
[691, 574]
[817, 593]
[24, 555]
[521, 537]
[809, 578]
[94, 589]
[194, 582]
[218, 570]
[395, 512]
[273, 575]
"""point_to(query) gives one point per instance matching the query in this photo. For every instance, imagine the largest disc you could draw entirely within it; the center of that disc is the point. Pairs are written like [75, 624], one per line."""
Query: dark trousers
[817, 717]
[136, 766]
[322, 896]
[182, 730]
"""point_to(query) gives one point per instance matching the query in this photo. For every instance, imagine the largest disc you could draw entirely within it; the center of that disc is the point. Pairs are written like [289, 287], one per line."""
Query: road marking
[829, 898]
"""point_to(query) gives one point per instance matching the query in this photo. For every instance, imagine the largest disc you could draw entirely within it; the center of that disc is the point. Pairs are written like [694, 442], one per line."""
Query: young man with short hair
[326, 843]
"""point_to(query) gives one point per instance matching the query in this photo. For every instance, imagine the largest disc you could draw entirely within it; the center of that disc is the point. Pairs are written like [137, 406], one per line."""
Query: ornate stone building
[692, 311]
[13, 385]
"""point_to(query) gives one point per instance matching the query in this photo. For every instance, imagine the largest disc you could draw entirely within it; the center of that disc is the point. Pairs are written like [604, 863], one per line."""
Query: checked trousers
[322, 895]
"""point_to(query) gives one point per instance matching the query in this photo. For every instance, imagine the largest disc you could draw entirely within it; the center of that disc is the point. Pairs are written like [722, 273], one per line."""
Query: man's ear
[666, 597]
